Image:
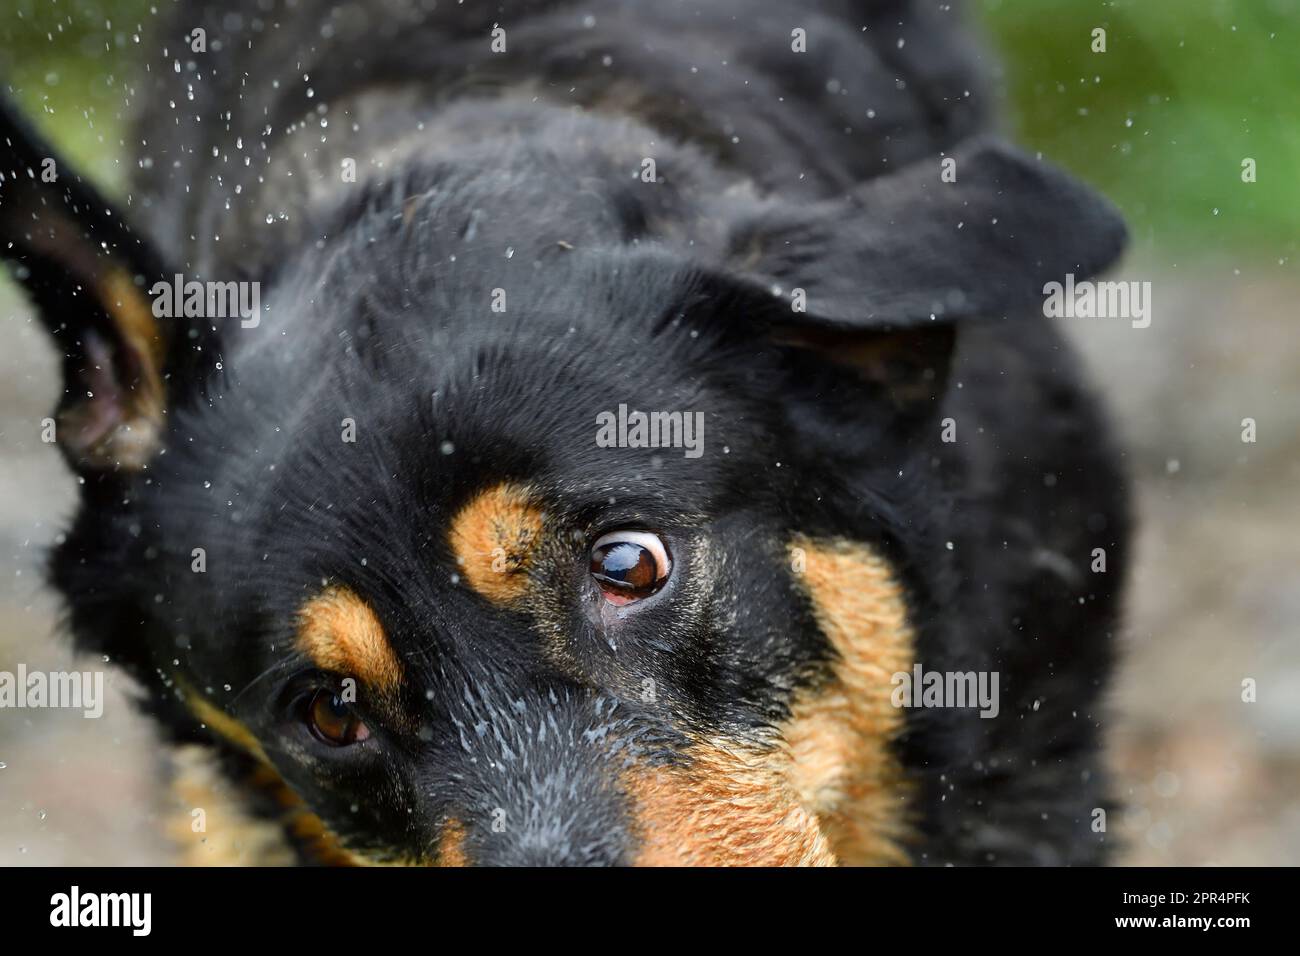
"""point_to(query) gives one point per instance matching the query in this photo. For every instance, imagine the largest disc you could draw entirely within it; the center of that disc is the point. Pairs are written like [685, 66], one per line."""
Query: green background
[1160, 122]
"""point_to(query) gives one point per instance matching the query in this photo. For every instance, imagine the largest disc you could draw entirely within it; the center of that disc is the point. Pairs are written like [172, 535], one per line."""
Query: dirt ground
[1205, 778]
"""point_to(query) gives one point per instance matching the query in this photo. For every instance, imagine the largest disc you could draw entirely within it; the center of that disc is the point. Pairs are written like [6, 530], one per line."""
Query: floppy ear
[884, 278]
[89, 274]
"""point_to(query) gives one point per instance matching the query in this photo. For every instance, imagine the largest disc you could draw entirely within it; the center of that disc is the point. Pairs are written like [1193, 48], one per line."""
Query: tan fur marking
[245, 838]
[493, 538]
[341, 634]
[232, 835]
[830, 790]
[730, 806]
[130, 310]
[451, 845]
[221, 723]
[840, 733]
[134, 441]
[319, 843]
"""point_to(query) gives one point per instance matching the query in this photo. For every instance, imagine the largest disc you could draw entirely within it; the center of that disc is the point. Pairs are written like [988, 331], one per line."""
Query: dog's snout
[538, 782]
[546, 836]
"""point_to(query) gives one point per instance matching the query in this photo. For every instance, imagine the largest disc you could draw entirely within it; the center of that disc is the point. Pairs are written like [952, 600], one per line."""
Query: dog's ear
[89, 275]
[883, 279]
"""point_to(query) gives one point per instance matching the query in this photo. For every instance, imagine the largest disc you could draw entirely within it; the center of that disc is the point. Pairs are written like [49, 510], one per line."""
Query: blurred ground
[1206, 779]
[72, 790]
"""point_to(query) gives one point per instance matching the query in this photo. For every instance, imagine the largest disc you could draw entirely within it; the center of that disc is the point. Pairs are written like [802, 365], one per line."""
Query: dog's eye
[629, 565]
[332, 721]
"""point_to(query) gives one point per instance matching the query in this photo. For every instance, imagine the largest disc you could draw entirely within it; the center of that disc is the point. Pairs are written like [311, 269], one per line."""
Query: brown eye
[629, 565]
[333, 721]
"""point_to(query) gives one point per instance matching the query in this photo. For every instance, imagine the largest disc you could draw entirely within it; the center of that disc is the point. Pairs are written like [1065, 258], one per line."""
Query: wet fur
[476, 173]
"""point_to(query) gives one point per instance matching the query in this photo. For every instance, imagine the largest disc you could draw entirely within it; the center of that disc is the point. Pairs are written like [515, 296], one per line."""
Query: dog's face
[409, 558]
[453, 620]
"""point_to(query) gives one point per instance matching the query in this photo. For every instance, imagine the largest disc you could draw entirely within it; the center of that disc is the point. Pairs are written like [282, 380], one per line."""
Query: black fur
[477, 172]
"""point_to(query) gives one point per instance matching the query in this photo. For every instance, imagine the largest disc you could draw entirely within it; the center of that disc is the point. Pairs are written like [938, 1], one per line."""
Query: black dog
[579, 426]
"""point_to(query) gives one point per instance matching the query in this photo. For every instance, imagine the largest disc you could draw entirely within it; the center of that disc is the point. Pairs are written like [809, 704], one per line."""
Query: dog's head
[538, 554]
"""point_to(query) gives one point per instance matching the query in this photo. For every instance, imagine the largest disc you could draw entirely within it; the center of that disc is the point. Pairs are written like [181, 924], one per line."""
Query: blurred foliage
[70, 64]
[1160, 122]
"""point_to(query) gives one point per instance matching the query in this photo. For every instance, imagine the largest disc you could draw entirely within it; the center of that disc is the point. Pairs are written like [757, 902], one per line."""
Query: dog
[586, 433]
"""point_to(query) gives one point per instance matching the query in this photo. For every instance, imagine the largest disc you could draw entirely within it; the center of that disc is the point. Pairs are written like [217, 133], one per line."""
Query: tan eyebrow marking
[493, 538]
[339, 632]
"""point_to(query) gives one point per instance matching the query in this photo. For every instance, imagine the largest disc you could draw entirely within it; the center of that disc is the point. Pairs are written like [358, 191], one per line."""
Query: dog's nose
[562, 827]
[537, 781]
[557, 842]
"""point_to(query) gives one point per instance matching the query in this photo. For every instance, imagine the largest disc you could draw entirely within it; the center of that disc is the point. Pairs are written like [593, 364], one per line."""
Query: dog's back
[804, 99]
